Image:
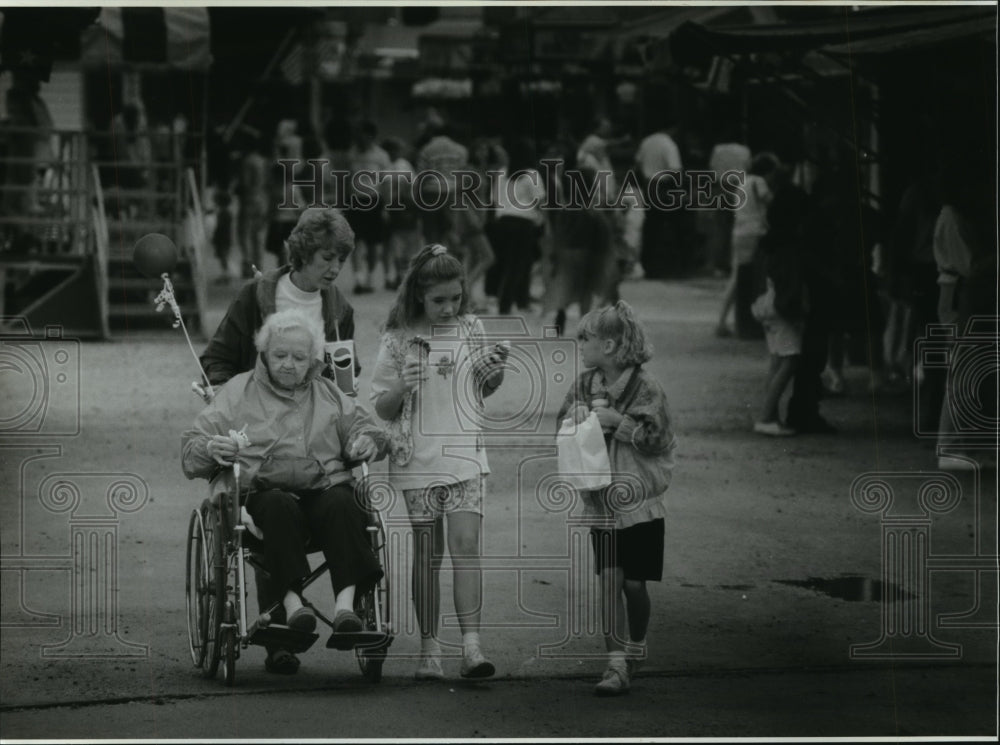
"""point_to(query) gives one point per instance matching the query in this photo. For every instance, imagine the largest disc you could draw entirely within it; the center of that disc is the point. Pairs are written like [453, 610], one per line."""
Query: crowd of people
[826, 282]
[489, 202]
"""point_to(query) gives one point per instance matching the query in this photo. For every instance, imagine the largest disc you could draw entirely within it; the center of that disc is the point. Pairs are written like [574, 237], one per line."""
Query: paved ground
[771, 574]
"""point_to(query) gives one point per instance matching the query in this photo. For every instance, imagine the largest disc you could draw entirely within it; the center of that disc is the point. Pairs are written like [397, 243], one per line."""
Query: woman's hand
[222, 449]
[363, 448]
[413, 373]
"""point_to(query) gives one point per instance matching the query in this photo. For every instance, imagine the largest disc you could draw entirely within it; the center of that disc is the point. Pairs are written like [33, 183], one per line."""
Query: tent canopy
[174, 38]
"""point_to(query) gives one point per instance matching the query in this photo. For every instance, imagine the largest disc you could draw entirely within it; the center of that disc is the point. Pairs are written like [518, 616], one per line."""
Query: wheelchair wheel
[194, 582]
[228, 644]
[213, 589]
[370, 661]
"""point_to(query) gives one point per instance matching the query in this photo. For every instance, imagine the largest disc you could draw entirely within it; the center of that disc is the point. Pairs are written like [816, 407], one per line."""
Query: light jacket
[640, 449]
[315, 421]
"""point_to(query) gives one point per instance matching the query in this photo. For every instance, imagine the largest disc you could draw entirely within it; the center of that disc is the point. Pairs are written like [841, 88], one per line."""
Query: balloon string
[166, 297]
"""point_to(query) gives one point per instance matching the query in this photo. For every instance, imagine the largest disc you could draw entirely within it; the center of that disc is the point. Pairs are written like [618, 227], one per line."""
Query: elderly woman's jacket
[232, 350]
[315, 421]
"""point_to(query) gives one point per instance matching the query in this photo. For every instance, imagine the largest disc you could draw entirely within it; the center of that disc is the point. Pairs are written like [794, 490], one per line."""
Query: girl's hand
[222, 449]
[413, 373]
[494, 364]
[608, 417]
[579, 413]
[363, 448]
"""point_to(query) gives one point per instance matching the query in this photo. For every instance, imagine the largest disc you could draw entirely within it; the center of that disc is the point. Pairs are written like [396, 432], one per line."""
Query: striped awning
[175, 37]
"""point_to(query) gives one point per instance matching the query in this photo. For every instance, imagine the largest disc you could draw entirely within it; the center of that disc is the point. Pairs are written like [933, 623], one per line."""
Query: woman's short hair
[283, 321]
[317, 228]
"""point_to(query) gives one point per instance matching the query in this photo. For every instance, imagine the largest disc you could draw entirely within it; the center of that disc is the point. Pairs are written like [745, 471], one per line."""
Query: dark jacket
[231, 350]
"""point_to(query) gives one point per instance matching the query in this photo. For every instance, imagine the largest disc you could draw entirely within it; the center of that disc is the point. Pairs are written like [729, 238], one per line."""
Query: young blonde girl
[628, 527]
[432, 373]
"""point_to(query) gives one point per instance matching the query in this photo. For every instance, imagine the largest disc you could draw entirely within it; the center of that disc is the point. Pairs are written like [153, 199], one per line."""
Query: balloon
[154, 254]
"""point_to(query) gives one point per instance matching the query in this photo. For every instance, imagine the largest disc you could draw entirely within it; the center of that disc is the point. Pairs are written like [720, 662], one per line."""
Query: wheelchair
[220, 545]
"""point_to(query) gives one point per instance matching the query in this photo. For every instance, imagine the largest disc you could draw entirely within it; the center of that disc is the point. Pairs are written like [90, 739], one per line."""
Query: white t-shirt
[521, 197]
[288, 296]
[657, 153]
[751, 218]
[447, 420]
[729, 156]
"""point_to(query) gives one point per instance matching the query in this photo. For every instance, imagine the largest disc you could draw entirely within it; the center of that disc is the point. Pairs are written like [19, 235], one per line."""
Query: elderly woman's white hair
[287, 320]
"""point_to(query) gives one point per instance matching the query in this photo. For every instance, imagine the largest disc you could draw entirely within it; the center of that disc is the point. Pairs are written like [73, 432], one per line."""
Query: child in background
[627, 536]
[435, 460]
[781, 310]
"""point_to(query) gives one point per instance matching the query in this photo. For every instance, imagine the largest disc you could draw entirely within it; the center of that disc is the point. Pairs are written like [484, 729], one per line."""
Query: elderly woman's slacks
[330, 521]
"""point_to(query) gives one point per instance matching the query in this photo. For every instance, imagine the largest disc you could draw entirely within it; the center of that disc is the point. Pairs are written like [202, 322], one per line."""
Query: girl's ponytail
[633, 348]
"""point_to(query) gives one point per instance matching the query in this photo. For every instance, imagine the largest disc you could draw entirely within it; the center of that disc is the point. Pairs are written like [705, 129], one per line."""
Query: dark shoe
[346, 622]
[281, 662]
[302, 620]
[817, 426]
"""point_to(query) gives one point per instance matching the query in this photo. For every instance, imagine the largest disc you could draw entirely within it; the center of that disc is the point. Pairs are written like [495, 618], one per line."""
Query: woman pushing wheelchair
[293, 434]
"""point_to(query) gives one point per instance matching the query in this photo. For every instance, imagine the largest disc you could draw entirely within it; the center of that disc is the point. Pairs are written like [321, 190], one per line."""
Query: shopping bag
[583, 456]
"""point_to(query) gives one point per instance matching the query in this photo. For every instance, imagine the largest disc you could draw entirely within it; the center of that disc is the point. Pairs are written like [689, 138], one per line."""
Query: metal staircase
[67, 228]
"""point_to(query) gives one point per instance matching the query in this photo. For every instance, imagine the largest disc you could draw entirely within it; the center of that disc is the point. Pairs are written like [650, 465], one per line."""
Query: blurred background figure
[253, 191]
[402, 221]
[661, 230]
[366, 160]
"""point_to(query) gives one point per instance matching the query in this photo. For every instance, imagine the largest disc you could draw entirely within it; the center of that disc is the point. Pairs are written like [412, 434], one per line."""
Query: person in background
[366, 161]
[402, 218]
[661, 230]
[253, 191]
[519, 224]
[725, 157]
[749, 226]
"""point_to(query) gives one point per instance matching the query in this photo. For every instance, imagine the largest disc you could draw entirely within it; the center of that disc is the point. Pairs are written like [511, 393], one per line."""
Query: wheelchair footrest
[282, 636]
[351, 639]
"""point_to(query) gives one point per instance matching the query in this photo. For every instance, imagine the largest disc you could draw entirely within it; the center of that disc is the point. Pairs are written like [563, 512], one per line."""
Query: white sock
[470, 640]
[429, 646]
[292, 603]
[616, 660]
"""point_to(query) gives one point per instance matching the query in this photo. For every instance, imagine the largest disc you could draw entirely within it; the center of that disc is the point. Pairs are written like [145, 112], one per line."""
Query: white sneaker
[429, 668]
[951, 463]
[614, 683]
[474, 665]
[774, 429]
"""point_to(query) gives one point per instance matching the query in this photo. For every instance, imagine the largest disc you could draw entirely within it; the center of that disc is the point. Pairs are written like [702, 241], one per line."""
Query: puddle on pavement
[849, 588]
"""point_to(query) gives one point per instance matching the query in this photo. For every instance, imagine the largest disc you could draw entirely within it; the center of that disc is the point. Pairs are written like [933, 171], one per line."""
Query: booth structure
[85, 171]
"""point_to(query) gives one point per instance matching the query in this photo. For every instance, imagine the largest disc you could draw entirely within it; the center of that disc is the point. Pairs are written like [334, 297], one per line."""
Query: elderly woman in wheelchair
[283, 439]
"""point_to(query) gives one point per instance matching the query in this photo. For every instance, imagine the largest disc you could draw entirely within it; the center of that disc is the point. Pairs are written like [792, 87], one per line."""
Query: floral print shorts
[436, 500]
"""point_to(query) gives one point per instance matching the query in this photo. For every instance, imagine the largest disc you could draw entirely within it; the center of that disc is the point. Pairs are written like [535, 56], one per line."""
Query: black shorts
[638, 550]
